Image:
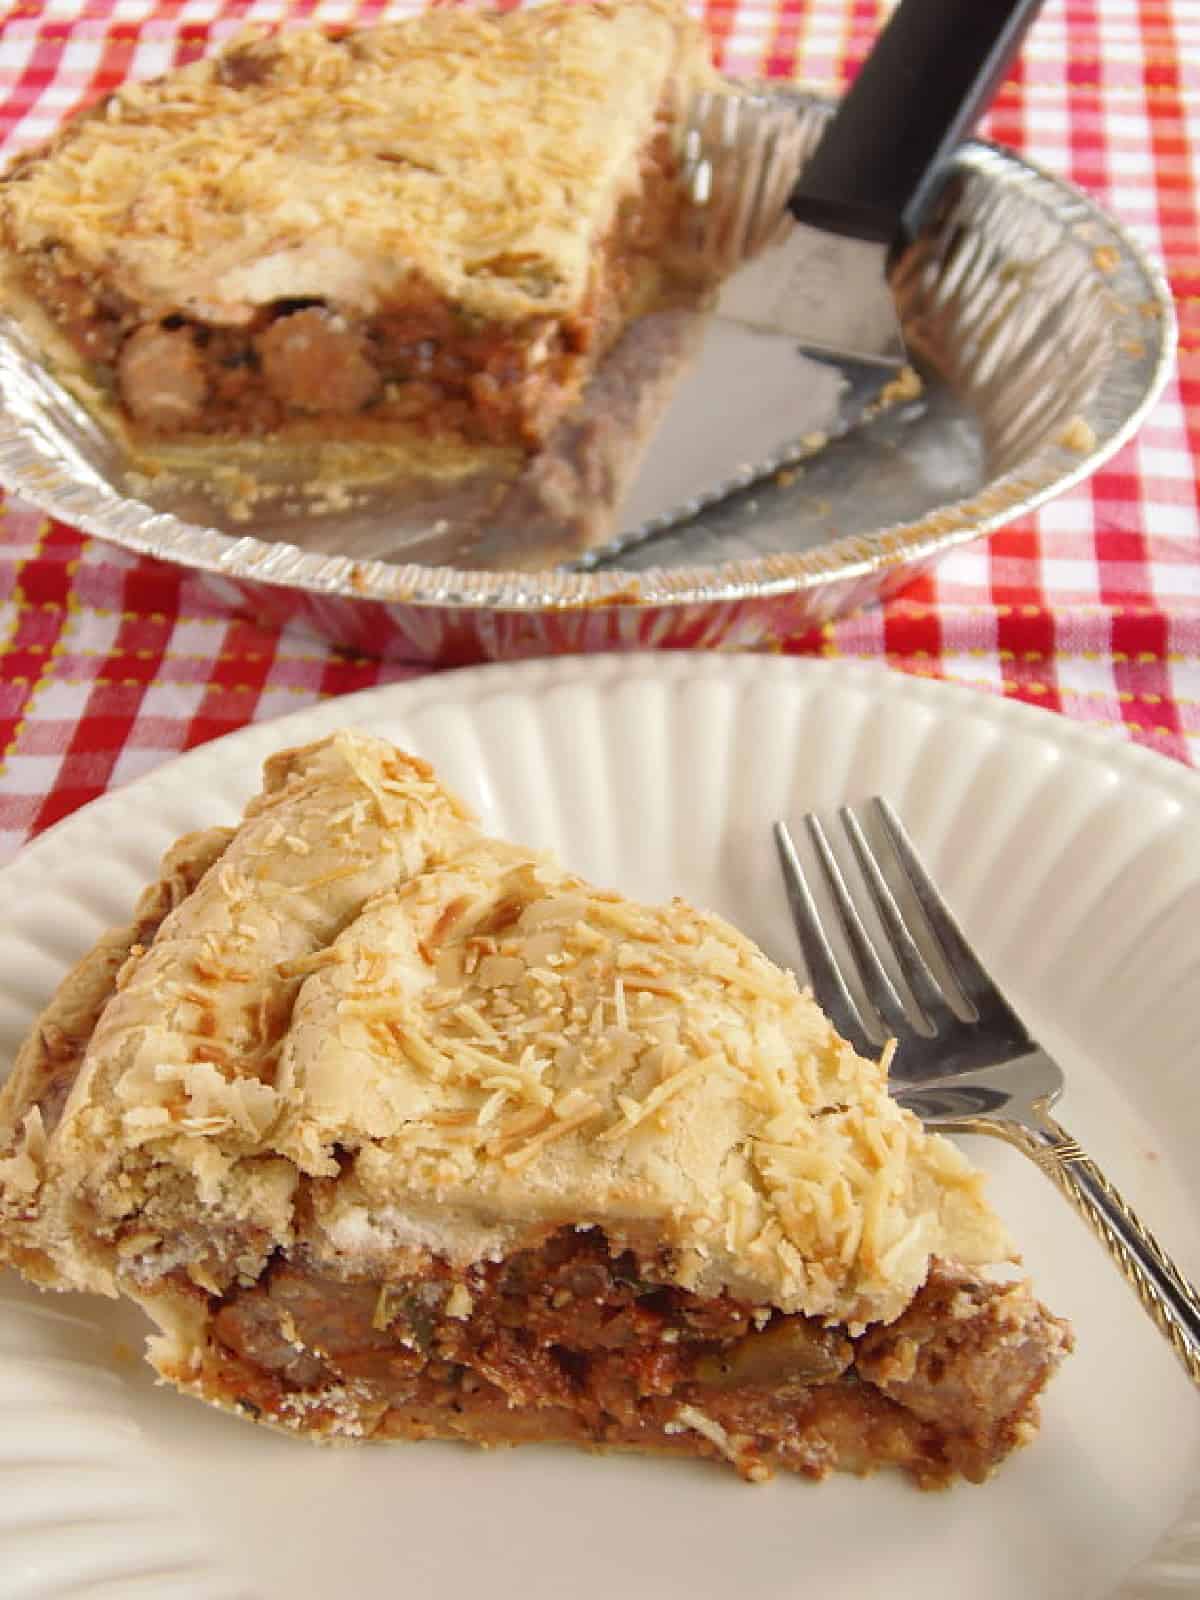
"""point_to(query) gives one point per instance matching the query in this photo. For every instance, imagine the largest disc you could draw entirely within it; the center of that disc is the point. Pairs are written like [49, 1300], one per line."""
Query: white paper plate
[1074, 861]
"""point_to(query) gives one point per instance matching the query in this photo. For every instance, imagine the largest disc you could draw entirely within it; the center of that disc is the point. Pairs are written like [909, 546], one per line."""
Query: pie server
[805, 340]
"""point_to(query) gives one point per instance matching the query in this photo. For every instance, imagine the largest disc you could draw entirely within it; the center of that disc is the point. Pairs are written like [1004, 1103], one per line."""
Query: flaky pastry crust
[374, 1029]
[484, 154]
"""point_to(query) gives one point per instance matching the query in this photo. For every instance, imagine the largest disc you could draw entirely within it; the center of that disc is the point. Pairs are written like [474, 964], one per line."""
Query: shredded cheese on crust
[724, 1107]
[454, 1030]
[476, 156]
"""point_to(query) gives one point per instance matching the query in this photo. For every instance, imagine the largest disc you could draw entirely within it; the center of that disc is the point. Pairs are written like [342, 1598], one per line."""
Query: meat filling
[421, 362]
[572, 1342]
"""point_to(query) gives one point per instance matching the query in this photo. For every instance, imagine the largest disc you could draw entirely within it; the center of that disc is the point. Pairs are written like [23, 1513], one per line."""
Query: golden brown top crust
[198, 1018]
[457, 1046]
[508, 1048]
[480, 154]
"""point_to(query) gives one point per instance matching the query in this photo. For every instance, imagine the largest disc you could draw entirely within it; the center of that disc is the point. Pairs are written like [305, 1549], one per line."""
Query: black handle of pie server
[931, 75]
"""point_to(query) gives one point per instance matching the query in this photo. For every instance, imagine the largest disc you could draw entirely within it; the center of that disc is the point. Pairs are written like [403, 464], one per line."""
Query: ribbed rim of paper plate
[1129, 387]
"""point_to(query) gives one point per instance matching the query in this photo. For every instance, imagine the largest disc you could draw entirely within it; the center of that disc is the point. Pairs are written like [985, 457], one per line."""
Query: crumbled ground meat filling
[570, 1342]
[421, 363]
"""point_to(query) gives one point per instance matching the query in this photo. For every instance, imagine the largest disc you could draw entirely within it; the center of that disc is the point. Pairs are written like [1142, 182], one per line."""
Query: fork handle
[1167, 1297]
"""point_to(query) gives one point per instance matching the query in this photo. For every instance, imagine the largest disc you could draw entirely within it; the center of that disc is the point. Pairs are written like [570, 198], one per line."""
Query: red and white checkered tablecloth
[108, 664]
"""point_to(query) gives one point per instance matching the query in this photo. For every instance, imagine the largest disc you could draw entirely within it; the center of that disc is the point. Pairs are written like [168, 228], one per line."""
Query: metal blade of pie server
[785, 365]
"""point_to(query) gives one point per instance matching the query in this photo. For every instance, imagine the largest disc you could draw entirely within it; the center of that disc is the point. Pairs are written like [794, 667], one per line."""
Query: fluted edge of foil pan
[442, 613]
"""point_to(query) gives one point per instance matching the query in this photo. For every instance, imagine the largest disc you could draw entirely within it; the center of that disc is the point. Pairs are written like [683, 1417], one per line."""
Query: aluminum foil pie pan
[1044, 335]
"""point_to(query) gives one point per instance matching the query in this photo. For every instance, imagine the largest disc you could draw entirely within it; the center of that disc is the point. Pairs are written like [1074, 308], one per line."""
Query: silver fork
[970, 1067]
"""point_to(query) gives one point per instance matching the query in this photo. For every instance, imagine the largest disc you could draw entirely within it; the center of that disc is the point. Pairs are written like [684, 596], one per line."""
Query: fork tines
[922, 1011]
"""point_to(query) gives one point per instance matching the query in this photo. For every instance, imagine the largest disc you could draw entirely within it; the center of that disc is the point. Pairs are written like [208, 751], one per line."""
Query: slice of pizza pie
[399, 1131]
[418, 237]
